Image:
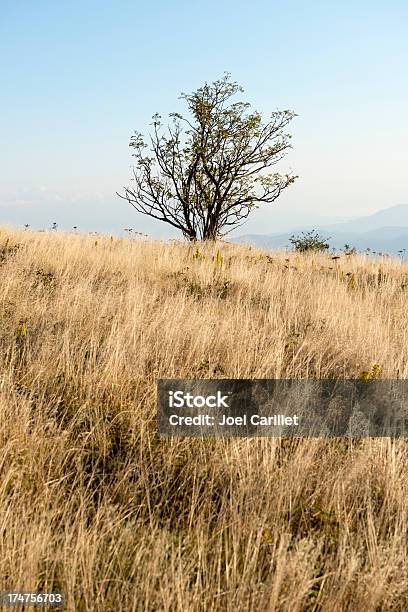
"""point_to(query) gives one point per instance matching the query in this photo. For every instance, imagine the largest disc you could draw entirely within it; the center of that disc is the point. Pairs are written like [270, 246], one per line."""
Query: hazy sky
[78, 77]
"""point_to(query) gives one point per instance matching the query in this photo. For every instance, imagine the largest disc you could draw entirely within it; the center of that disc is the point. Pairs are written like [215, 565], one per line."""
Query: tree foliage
[309, 241]
[205, 172]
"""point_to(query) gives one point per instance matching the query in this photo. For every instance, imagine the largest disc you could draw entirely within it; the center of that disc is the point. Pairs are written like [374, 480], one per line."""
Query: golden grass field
[93, 502]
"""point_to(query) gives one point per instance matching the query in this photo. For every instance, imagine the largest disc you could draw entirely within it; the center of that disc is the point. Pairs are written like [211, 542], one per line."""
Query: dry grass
[94, 502]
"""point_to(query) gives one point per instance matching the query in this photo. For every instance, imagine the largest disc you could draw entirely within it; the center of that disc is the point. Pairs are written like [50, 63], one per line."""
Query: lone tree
[205, 173]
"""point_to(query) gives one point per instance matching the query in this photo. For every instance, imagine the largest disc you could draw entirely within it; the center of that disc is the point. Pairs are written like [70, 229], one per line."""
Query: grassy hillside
[94, 502]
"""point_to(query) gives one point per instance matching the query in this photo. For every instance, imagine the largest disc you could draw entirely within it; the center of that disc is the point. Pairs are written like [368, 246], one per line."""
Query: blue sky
[78, 77]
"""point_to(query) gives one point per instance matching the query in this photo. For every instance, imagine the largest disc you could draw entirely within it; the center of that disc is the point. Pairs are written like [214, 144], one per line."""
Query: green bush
[309, 241]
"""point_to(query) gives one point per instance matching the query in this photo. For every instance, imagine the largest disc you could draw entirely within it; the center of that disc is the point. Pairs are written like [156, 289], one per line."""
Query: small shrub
[309, 241]
[349, 250]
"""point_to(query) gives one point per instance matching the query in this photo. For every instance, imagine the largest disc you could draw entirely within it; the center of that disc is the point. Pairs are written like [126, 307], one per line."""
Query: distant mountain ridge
[385, 231]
